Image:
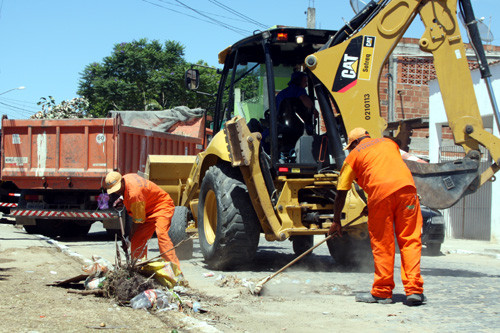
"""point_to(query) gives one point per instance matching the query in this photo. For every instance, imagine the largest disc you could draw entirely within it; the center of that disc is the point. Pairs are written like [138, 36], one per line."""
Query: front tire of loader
[228, 227]
[177, 233]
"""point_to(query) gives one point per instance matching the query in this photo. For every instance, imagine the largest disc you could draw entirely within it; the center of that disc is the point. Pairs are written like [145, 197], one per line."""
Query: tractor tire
[350, 252]
[228, 227]
[302, 243]
[177, 233]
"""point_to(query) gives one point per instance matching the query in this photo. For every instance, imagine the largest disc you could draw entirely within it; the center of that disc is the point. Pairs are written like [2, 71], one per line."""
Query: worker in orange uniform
[393, 205]
[151, 209]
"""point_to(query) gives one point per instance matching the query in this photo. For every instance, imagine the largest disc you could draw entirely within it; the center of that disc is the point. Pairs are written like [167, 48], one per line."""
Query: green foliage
[142, 75]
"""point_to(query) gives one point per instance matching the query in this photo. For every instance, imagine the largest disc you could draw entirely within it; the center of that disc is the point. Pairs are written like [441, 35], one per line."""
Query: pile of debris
[151, 284]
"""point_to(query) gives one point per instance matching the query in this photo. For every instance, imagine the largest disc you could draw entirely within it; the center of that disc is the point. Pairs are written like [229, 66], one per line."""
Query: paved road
[462, 290]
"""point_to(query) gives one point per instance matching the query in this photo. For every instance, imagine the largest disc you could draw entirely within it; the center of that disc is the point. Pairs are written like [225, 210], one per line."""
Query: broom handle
[299, 257]
[306, 252]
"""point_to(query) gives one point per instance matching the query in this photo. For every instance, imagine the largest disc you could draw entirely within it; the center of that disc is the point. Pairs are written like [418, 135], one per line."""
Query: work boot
[415, 299]
[369, 298]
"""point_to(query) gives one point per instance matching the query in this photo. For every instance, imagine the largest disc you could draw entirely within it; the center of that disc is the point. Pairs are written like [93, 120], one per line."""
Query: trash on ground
[152, 284]
[156, 298]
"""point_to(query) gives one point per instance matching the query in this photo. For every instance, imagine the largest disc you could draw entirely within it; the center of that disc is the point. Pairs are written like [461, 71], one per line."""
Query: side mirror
[192, 79]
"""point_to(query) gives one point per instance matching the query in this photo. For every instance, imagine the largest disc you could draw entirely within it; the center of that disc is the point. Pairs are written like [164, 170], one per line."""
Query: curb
[485, 254]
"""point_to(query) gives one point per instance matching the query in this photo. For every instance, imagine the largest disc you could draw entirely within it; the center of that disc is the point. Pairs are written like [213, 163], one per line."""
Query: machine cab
[256, 70]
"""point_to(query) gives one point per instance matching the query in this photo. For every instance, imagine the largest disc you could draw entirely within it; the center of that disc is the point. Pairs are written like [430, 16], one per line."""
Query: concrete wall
[437, 118]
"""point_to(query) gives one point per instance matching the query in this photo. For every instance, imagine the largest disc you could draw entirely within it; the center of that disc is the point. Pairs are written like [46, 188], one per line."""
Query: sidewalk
[467, 246]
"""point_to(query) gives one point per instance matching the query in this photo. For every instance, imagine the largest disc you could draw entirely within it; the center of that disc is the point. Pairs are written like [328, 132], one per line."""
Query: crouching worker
[151, 209]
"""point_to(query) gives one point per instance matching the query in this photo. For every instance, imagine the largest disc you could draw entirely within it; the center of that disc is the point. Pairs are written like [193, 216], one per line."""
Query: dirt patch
[29, 303]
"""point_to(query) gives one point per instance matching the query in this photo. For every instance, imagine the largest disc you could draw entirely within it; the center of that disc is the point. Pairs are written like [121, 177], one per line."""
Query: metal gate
[470, 217]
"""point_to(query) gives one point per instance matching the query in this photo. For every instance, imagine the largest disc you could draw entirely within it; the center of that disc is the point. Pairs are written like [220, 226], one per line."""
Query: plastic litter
[103, 201]
[156, 298]
[92, 283]
[166, 273]
[196, 307]
[97, 266]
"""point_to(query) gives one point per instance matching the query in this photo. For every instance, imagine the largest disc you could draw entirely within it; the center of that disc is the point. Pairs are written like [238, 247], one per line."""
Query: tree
[141, 75]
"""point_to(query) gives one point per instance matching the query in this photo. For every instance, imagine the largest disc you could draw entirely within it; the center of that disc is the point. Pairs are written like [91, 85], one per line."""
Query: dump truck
[59, 165]
[265, 172]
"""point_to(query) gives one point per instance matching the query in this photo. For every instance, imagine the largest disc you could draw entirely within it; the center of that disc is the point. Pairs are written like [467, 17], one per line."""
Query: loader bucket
[441, 185]
[170, 172]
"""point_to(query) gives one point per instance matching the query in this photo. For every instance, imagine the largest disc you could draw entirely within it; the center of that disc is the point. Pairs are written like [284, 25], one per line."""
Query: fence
[469, 218]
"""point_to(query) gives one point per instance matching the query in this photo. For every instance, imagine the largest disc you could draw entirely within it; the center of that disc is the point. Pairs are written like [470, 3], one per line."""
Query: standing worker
[393, 204]
[151, 209]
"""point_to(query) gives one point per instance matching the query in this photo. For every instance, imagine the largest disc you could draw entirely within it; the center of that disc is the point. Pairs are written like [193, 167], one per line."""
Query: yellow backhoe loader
[274, 171]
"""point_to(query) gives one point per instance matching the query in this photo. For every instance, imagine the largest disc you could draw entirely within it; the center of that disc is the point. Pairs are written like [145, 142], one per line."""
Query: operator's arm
[306, 100]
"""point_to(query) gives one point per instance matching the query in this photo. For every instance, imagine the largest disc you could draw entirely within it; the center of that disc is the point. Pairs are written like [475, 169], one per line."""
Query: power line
[222, 24]
[210, 20]
[233, 11]
[18, 108]
[205, 12]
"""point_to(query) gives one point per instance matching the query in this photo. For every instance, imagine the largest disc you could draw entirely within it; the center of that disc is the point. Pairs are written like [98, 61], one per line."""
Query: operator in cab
[151, 209]
[393, 207]
[293, 101]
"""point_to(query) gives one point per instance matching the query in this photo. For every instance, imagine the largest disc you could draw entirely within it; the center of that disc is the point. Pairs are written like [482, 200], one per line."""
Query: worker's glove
[118, 203]
[335, 229]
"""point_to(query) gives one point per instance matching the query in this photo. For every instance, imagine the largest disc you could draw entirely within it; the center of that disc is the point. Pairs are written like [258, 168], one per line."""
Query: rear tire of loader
[348, 251]
[177, 233]
[302, 243]
[228, 227]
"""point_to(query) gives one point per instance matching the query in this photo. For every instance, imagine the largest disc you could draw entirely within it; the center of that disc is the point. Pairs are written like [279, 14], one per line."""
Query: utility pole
[311, 17]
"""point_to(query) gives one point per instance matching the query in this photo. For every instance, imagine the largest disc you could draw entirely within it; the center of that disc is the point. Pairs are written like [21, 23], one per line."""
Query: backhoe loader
[274, 172]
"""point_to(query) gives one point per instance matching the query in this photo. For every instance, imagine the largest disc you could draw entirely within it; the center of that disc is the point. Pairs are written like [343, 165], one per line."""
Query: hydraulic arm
[356, 63]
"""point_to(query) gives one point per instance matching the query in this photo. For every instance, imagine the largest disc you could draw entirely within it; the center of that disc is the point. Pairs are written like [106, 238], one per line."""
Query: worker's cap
[356, 134]
[113, 182]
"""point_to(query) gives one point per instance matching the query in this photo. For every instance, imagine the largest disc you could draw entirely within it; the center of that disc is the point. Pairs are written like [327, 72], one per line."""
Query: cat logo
[356, 63]
[349, 64]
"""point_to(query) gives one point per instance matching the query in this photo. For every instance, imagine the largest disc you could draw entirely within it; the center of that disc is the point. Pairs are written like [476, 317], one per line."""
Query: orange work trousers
[145, 231]
[399, 213]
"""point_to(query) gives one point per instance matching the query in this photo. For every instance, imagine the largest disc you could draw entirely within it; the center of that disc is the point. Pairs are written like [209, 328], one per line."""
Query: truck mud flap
[441, 185]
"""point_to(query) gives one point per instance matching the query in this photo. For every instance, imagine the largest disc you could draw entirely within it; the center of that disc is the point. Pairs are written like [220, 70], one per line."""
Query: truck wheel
[177, 233]
[52, 228]
[77, 228]
[348, 251]
[433, 249]
[302, 243]
[32, 229]
[227, 224]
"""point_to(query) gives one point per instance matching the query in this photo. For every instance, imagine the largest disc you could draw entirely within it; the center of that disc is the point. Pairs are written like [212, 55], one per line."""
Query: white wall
[437, 117]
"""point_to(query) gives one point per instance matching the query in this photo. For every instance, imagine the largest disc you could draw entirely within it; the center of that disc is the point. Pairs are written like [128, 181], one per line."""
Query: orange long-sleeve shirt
[144, 200]
[377, 166]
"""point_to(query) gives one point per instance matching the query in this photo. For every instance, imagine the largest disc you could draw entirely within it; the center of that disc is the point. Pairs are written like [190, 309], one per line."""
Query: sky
[46, 44]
